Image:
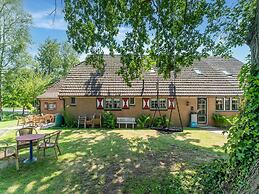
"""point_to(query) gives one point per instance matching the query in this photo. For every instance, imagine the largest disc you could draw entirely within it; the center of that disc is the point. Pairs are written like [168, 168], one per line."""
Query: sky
[44, 26]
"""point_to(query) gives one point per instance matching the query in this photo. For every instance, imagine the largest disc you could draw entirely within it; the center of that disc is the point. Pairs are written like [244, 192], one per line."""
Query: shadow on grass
[106, 162]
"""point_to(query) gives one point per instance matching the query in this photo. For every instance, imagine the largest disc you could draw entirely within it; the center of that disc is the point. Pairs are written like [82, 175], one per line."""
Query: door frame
[205, 123]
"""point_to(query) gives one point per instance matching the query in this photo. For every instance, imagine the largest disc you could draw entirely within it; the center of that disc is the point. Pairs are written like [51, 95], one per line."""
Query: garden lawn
[6, 124]
[115, 161]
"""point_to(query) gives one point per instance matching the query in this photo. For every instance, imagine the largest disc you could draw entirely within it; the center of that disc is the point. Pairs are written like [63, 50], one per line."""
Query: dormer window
[227, 73]
[197, 71]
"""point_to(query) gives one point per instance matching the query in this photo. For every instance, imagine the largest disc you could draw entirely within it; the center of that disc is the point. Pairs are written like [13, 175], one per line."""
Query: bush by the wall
[160, 121]
[143, 121]
[223, 121]
[69, 119]
[108, 120]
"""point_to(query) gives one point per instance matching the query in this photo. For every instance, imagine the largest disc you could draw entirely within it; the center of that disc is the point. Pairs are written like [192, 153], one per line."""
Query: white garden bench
[126, 121]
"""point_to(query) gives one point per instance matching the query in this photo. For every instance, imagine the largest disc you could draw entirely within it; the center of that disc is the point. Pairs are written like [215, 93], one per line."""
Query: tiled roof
[84, 80]
[52, 91]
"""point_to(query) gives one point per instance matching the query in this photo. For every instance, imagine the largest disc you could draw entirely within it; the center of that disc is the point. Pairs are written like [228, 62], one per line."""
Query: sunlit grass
[6, 124]
[113, 161]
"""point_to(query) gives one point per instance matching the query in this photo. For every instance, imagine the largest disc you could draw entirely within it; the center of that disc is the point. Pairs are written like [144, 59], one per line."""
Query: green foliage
[108, 120]
[169, 184]
[224, 121]
[56, 59]
[210, 177]
[22, 86]
[69, 119]
[14, 37]
[143, 121]
[160, 121]
[175, 27]
[243, 138]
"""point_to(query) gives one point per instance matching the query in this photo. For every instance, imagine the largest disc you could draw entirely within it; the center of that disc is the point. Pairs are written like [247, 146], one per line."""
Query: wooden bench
[126, 121]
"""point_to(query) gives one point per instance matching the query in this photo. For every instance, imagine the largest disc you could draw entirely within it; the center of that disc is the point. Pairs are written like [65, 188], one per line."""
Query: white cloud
[46, 20]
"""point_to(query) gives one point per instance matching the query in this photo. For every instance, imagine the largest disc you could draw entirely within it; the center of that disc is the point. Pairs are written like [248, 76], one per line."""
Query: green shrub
[69, 119]
[143, 121]
[223, 121]
[108, 120]
[210, 177]
[160, 121]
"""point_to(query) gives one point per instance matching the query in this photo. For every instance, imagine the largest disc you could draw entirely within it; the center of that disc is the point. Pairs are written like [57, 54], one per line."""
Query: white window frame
[238, 103]
[113, 100]
[230, 105]
[159, 103]
[54, 104]
[223, 103]
[132, 104]
[72, 103]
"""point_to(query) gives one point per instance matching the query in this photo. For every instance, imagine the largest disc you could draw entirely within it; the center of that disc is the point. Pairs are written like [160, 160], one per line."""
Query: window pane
[219, 104]
[162, 103]
[116, 103]
[108, 103]
[235, 103]
[51, 106]
[132, 101]
[73, 100]
[153, 103]
[227, 103]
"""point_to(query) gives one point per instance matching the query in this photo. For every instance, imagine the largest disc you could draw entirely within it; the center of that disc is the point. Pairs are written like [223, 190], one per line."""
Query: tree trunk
[1, 104]
[253, 42]
[13, 112]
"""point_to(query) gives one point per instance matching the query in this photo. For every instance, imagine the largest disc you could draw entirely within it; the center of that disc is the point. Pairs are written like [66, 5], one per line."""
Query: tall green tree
[69, 57]
[56, 59]
[22, 87]
[49, 57]
[174, 33]
[14, 37]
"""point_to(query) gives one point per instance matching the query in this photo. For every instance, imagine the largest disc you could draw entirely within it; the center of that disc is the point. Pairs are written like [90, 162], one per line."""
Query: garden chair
[21, 121]
[7, 152]
[48, 118]
[81, 121]
[95, 121]
[29, 120]
[25, 131]
[50, 141]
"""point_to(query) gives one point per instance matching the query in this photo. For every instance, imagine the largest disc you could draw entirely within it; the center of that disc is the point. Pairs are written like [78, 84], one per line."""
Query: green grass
[6, 124]
[114, 161]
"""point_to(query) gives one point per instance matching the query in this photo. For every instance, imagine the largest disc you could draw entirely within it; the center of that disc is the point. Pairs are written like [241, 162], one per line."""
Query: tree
[23, 86]
[173, 34]
[14, 37]
[56, 59]
[49, 57]
[69, 57]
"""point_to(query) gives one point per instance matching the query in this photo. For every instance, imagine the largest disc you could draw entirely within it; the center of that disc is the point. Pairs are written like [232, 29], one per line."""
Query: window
[113, 103]
[51, 106]
[132, 101]
[219, 103]
[235, 103]
[162, 103]
[227, 104]
[73, 101]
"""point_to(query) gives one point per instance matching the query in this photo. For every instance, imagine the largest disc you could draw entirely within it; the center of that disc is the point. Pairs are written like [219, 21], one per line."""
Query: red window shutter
[125, 103]
[171, 103]
[45, 106]
[99, 103]
[145, 103]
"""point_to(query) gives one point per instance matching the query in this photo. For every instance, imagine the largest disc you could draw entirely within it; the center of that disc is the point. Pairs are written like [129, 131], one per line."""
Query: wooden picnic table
[30, 138]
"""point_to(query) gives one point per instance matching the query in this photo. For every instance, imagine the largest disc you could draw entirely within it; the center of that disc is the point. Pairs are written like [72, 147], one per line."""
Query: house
[208, 86]
[50, 103]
